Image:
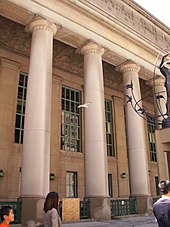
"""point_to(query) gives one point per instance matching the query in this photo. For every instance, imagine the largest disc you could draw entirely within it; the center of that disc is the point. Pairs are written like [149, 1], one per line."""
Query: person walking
[161, 208]
[51, 216]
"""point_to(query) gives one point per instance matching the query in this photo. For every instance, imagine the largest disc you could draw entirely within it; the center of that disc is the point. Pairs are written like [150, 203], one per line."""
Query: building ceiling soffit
[14, 12]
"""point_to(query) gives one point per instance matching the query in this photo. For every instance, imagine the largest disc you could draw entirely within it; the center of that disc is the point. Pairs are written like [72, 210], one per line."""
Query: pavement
[130, 221]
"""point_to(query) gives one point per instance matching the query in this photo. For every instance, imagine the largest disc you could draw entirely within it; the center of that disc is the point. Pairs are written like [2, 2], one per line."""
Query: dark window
[156, 185]
[20, 112]
[110, 185]
[70, 120]
[109, 128]
[151, 138]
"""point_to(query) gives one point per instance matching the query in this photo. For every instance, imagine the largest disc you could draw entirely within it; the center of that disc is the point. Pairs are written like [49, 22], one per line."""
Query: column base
[100, 208]
[32, 210]
[144, 205]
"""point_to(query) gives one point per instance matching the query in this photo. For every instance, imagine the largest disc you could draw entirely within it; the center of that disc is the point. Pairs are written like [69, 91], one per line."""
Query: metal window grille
[123, 207]
[84, 209]
[110, 185]
[71, 120]
[71, 184]
[109, 128]
[151, 138]
[20, 112]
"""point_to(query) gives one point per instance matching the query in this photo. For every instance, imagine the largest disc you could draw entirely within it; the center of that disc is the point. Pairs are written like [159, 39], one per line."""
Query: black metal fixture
[1, 173]
[52, 176]
[164, 68]
[123, 175]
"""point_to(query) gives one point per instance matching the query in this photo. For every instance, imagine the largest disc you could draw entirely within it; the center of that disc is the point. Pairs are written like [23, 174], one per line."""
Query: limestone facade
[87, 44]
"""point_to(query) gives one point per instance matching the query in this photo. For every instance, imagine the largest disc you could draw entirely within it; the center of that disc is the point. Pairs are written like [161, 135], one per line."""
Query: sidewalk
[135, 221]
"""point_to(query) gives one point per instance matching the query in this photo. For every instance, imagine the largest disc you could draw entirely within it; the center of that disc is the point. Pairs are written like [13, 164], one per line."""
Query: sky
[159, 8]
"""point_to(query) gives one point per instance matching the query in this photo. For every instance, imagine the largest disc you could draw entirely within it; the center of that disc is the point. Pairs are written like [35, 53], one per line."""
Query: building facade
[55, 56]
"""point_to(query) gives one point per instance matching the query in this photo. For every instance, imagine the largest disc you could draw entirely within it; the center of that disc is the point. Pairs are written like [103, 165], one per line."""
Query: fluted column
[95, 134]
[136, 137]
[36, 144]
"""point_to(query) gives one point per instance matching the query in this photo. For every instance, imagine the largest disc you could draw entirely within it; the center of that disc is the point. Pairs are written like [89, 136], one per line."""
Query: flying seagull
[85, 105]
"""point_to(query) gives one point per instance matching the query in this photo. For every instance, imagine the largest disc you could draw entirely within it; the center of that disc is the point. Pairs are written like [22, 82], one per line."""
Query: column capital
[157, 81]
[40, 23]
[92, 47]
[128, 66]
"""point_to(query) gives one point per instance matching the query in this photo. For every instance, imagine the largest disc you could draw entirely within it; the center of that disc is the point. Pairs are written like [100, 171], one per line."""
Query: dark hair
[164, 186]
[5, 211]
[51, 201]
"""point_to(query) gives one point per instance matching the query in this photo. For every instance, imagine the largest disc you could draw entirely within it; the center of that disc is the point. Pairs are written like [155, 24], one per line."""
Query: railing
[118, 208]
[123, 207]
[84, 209]
[16, 206]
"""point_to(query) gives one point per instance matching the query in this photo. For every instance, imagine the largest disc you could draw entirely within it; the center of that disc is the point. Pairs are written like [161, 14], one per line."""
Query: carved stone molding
[158, 80]
[6, 63]
[57, 80]
[92, 48]
[128, 66]
[42, 24]
[71, 156]
[14, 12]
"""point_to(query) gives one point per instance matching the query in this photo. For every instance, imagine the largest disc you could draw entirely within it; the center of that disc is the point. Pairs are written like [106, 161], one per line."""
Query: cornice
[147, 15]
[117, 26]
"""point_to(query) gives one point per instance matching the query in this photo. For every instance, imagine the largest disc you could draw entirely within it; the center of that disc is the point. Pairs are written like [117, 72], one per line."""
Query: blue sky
[158, 8]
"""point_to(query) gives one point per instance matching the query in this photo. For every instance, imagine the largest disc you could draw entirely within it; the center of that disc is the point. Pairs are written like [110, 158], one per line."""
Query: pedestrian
[161, 207]
[51, 216]
[7, 216]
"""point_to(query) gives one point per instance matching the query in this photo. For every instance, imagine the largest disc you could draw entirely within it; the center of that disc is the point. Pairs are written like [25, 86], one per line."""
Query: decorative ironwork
[162, 118]
[123, 207]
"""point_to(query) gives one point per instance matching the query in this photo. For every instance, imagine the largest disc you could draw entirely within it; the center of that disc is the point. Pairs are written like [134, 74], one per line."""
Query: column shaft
[95, 137]
[36, 145]
[136, 137]
[160, 103]
[95, 134]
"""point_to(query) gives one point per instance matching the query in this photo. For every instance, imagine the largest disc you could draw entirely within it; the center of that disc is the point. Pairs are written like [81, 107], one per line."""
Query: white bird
[85, 105]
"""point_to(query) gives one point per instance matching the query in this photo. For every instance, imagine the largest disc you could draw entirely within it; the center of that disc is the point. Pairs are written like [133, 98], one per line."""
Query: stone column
[36, 143]
[136, 139]
[95, 133]
[160, 96]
